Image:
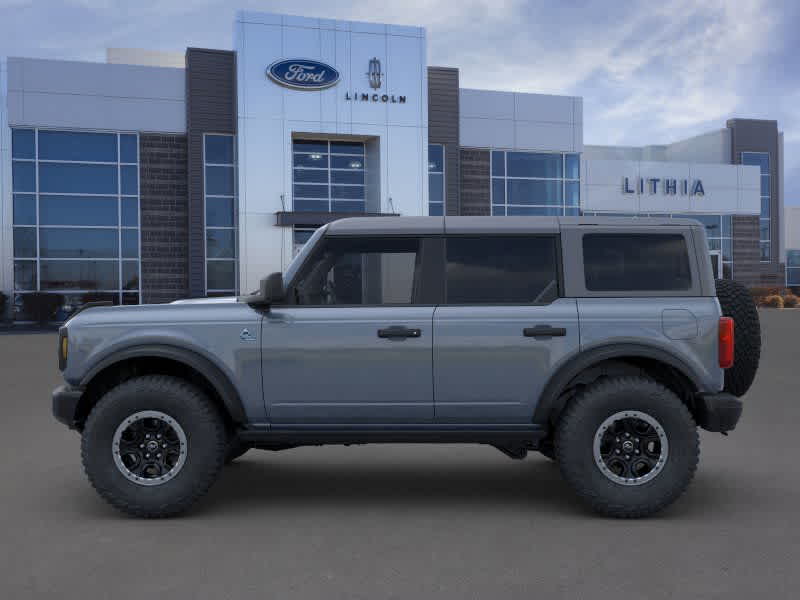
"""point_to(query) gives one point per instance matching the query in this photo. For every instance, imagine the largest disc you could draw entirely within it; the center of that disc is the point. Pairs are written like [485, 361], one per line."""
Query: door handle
[544, 331]
[399, 332]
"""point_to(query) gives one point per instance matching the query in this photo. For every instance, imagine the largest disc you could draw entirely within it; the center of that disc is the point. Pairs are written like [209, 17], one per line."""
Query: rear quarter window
[636, 262]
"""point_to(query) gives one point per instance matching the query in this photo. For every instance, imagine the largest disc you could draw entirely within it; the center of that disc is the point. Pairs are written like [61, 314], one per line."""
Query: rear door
[502, 328]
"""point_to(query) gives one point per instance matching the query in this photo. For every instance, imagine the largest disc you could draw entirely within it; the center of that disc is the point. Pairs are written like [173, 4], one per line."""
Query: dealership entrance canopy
[157, 176]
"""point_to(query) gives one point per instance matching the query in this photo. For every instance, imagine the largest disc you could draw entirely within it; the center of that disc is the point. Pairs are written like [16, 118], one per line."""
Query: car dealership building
[156, 176]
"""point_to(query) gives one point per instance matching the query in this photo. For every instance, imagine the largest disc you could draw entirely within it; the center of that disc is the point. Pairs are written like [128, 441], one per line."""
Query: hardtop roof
[495, 225]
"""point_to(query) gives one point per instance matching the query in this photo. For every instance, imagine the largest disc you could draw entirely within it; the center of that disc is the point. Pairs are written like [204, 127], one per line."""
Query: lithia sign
[306, 74]
[667, 186]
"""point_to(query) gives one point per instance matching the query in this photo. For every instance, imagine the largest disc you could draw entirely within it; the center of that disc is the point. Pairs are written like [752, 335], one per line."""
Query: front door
[353, 344]
[502, 330]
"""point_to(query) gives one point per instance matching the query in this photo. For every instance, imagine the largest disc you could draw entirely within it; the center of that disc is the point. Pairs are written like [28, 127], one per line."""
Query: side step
[504, 436]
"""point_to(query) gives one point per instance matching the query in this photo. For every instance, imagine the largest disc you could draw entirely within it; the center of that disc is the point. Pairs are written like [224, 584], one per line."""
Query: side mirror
[270, 291]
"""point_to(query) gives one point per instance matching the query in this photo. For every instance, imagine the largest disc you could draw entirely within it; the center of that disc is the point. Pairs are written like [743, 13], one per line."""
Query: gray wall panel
[85, 95]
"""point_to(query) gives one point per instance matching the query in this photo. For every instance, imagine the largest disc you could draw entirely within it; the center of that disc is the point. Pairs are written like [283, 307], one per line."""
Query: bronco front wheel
[153, 445]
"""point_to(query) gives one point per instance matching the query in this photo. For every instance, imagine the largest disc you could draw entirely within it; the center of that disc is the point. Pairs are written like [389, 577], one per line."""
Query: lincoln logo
[667, 186]
[374, 74]
[301, 74]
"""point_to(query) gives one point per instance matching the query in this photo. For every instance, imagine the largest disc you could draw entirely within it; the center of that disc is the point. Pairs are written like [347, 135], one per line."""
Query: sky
[649, 72]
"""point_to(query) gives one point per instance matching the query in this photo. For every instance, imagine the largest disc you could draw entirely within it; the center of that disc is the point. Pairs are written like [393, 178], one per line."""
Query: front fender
[220, 381]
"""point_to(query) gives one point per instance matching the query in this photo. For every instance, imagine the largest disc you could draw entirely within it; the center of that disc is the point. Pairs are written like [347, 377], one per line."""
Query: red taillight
[725, 342]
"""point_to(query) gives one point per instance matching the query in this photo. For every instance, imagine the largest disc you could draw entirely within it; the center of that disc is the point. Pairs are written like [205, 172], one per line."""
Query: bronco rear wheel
[736, 302]
[153, 445]
[628, 446]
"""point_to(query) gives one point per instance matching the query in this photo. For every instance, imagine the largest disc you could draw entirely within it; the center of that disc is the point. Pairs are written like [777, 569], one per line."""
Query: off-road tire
[236, 448]
[737, 303]
[579, 423]
[206, 445]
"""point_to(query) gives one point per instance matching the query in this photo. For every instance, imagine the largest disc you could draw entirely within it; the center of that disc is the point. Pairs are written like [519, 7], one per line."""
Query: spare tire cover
[737, 303]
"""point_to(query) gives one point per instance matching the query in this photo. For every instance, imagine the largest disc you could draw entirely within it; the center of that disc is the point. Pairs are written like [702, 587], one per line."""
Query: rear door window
[501, 270]
[636, 262]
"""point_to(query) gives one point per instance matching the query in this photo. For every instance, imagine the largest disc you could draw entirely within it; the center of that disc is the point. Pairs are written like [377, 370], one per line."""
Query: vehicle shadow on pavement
[534, 484]
[260, 482]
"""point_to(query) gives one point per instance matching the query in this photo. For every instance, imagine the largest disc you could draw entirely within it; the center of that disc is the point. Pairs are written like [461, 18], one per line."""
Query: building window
[793, 267]
[761, 160]
[76, 217]
[718, 231]
[435, 180]
[328, 176]
[535, 183]
[300, 236]
[219, 159]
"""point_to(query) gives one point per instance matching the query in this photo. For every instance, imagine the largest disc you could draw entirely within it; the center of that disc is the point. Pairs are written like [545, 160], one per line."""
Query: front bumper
[717, 412]
[65, 404]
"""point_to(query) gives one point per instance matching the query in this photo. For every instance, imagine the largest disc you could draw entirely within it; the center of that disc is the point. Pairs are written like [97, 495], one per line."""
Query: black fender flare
[575, 365]
[216, 377]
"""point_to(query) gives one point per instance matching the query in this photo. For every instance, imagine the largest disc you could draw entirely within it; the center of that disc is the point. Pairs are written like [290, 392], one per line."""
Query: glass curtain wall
[327, 176]
[793, 267]
[535, 183]
[435, 180]
[761, 160]
[219, 157]
[75, 217]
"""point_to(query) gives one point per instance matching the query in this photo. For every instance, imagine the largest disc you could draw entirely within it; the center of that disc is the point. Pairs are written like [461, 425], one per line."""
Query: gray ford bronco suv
[601, 343]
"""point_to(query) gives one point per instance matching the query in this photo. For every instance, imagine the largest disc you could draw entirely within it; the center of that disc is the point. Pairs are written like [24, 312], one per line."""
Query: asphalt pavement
[405, 522]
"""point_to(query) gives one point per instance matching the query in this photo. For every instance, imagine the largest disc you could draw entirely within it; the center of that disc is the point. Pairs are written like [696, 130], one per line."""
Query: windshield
[298, 260]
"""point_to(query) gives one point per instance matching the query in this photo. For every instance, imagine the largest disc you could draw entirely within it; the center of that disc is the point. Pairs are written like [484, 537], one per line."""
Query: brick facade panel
[163, 191]
[475, 182]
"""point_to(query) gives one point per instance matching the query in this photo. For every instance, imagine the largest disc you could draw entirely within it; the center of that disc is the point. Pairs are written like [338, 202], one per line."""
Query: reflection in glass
[219, 149]
[23, 176]
[130, 243]
[77, 210]
[77, 146]
[77, 243]
[220, 275]
[25, 275]
[219, 212]
[23, 143]
[25, 242]
[79, 275]
[531, 164]
[24, 209]
[219, 181]
[220, 243]
[128, 148]
[68, 178]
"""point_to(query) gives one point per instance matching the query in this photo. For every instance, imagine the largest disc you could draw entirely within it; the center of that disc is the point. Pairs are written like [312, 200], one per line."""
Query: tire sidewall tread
[206, 445]
[736, 302]
[575, 437]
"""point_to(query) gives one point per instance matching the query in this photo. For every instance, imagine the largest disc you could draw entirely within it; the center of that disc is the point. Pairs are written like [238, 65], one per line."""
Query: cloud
[649, 72]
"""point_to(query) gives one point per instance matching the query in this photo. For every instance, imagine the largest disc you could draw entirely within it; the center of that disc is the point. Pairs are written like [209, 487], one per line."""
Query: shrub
[790, 301]
[773, 301]
[41, 306]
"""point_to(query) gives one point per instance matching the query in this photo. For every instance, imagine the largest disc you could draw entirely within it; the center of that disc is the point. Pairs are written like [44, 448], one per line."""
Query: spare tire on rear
[737, 303]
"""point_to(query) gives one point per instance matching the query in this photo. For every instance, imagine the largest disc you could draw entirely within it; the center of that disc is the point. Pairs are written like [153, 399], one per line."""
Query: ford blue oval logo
[303, 74]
